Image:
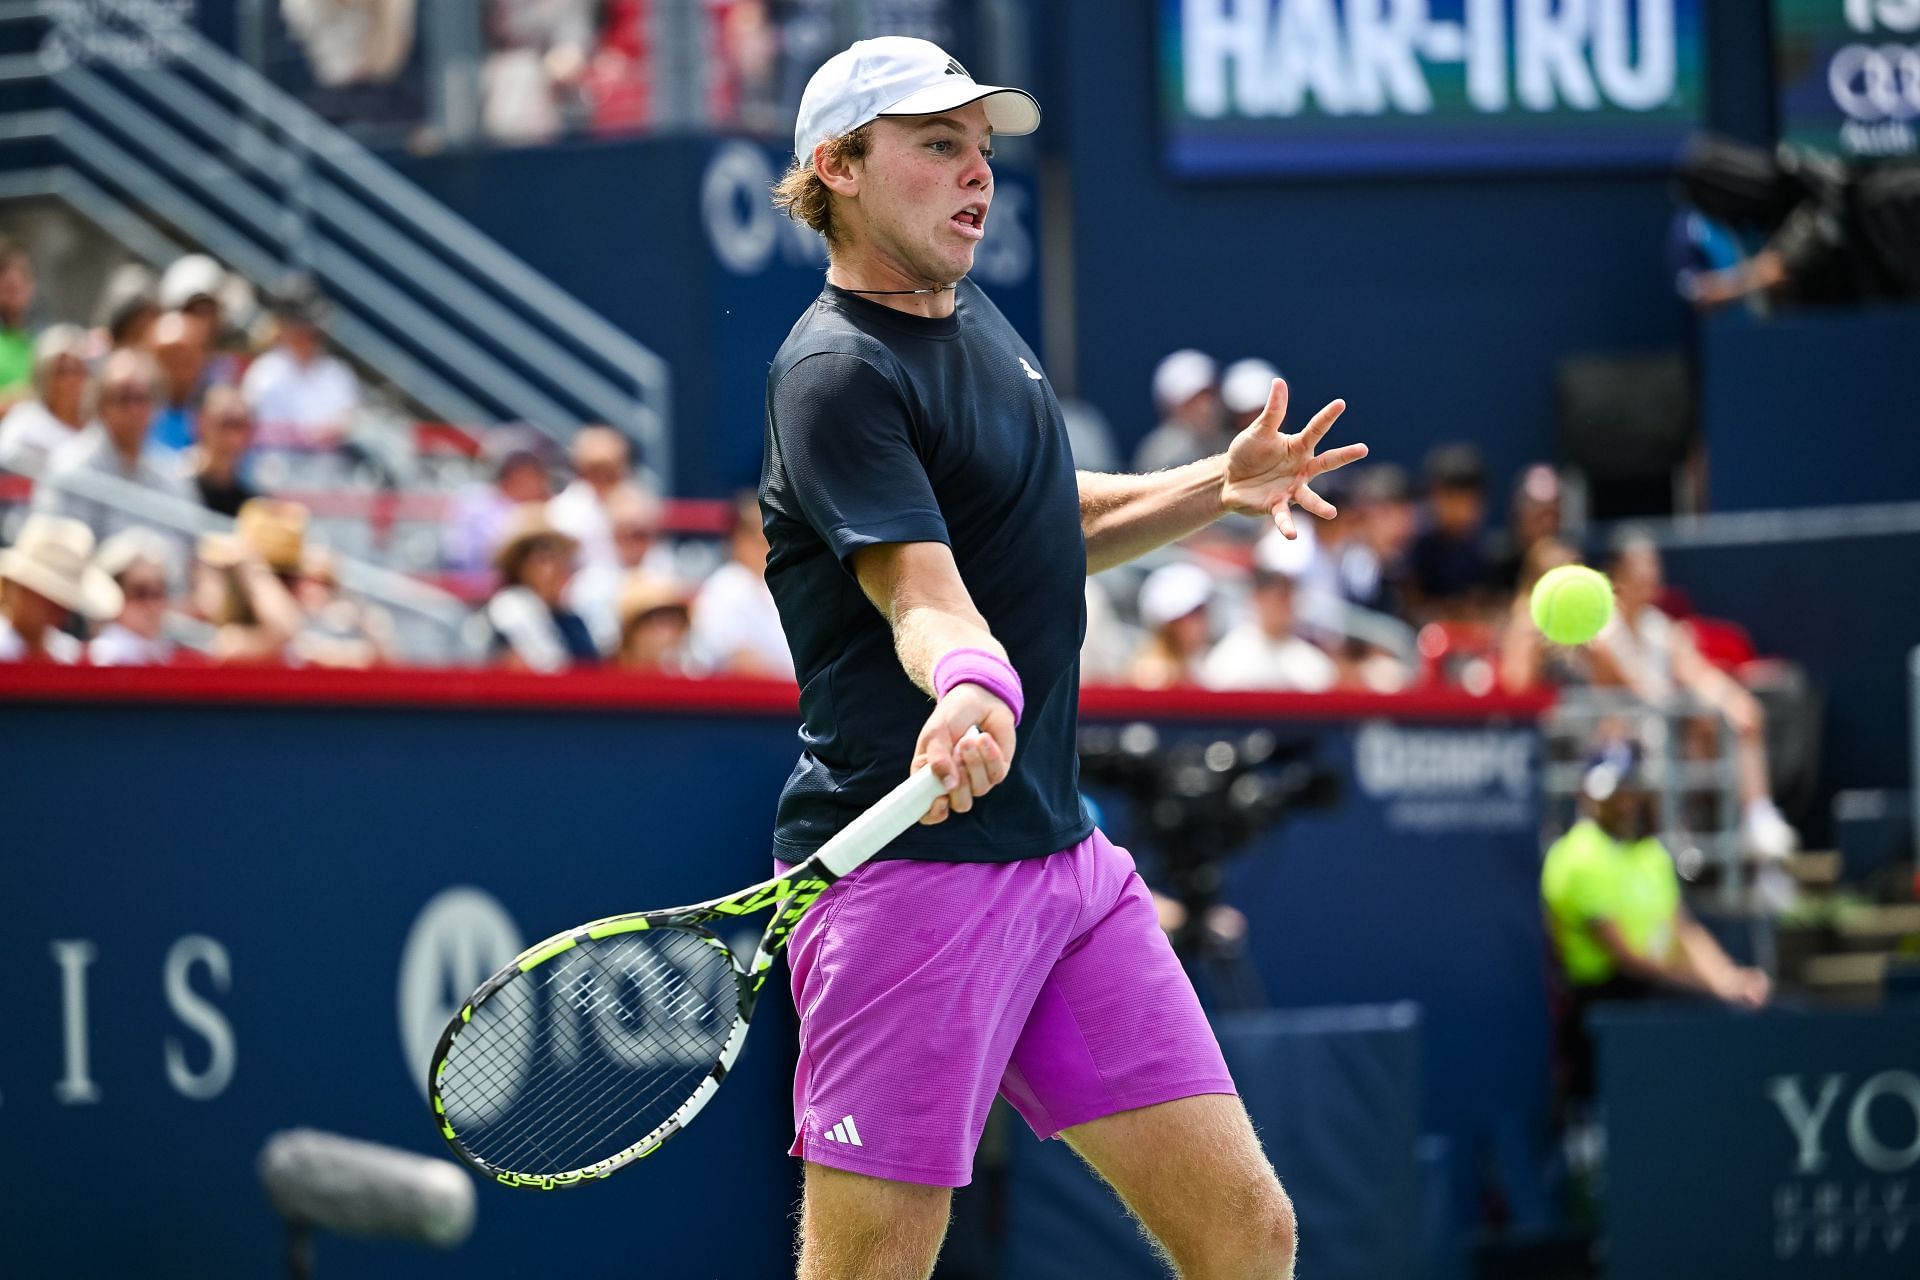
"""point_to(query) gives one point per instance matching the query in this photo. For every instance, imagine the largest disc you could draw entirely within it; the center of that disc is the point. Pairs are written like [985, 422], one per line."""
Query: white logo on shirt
[1032, 372]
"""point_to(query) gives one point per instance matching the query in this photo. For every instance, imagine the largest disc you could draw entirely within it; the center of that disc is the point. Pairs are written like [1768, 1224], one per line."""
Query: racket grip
[880, 825]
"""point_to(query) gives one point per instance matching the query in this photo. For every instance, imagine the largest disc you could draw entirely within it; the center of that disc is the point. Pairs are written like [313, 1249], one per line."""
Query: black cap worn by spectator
[1455, 466]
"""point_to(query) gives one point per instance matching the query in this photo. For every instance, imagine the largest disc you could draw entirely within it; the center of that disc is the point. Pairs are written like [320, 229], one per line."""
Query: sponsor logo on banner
[1852, 1189]
[460, 939]
[1310, 84]
[1448, 779]
[1849, 75]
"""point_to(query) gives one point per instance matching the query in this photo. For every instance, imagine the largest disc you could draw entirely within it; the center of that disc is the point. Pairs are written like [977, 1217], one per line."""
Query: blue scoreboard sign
[1355, 86]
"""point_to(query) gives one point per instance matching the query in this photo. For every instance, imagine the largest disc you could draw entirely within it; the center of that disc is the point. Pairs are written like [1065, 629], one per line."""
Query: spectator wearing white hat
[137, 560]
[1185, 395]
[194, 284]
[46, 575]
[1173, 612]
[1264, 650]
[34, 429]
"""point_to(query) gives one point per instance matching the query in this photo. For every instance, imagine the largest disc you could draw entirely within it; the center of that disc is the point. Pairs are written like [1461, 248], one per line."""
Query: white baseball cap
[1245, 385]
[898, 76]
[1181, 376]
[1173, 591]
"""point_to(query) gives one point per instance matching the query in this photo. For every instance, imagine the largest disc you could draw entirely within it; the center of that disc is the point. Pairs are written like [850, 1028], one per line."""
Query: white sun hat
[53, 556]
[899, 76]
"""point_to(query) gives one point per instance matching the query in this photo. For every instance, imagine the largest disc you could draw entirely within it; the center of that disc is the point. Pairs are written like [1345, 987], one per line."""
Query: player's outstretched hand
[1268, 471]
[967, 767]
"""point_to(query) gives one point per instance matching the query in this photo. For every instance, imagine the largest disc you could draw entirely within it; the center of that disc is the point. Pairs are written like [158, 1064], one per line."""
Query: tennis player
[930, 540]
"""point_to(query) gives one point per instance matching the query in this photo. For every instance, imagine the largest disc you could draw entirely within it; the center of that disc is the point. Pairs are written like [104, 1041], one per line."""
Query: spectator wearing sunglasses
[115, 445]
[137, 560]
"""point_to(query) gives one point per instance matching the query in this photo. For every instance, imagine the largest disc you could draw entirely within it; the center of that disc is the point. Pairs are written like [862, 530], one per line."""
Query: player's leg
[913, 981]
[853, 1227]
[1130, 1074]
[1193, 1174]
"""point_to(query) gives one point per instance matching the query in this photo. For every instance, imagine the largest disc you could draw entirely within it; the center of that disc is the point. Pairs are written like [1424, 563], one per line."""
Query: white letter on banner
[1805, 1122]
[1487, 54]
[1384, 64]
[200, 1014]
[1212, 34]
[1547, 47]
[1650, 84]
[1896, 15]
[73, 955]
[1860, 14]
[1878, 1157]
[1308, 58]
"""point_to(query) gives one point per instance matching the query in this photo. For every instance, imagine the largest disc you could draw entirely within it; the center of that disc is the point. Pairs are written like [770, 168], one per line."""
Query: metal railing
[1687, 787]
[431, 625]
[192, 144]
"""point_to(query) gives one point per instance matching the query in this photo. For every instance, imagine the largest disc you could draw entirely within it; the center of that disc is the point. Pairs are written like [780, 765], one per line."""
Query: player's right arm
[916, 586]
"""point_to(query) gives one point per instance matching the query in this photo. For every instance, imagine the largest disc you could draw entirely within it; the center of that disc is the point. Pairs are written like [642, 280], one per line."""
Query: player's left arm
[1264, 472]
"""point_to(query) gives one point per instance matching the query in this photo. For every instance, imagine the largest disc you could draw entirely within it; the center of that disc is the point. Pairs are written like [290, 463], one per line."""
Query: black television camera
[1198, 802]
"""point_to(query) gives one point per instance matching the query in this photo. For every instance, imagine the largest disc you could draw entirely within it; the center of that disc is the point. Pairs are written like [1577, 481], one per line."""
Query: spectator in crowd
[1533, 517]
[180, 349]
[128, 309]
[1089, 436]
[1190, 414]
[34, 429]
[477, 517]
[138, 560]
[1173, 611]
[736, 626]
[336, 631]
[17, 286]
[353, 47]
[530, 82]
[46, 575]
[1449, 557]
[1644, 650]
[1613, 909]
[602, 462]
[1107, 648]
[301, 396]
[633, 519]
[531, 627]
[194, 285]
[1527, 661]
[246, 583]
[115, 446]
[1374, 572]
[1265, 651]
[1244, 388]
[218, 462]
[655, 627]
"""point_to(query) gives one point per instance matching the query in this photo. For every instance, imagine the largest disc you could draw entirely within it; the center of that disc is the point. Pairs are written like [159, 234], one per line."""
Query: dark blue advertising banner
[1768, 1147]
[1848, 73]
[242, 902]
[1358, 86]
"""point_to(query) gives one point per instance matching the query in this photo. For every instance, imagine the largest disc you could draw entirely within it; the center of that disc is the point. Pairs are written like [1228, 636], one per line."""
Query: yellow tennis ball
[1570, 604]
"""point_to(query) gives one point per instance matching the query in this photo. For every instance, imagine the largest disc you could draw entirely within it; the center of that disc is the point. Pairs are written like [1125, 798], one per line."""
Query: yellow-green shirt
[1590, 876]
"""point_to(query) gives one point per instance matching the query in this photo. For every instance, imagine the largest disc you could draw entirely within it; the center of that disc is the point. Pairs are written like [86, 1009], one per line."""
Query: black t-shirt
[885, 427]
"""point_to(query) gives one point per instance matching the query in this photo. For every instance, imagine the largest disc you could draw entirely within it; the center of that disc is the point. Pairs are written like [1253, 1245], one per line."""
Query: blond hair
[802, 196]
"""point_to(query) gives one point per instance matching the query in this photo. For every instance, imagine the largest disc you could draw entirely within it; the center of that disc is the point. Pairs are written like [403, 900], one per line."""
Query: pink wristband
[976, 666]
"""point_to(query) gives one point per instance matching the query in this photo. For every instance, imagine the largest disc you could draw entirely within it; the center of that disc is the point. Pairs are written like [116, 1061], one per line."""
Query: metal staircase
[164, 140]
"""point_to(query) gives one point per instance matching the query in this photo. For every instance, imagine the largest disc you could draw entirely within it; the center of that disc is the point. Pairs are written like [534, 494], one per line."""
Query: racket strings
[568, 1108]
[582, 1057]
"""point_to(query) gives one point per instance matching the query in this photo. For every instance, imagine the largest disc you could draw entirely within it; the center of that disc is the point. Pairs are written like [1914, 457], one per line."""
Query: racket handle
[880, 825]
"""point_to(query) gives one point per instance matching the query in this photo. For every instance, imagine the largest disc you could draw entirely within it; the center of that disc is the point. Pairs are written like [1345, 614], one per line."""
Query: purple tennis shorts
[925, 987]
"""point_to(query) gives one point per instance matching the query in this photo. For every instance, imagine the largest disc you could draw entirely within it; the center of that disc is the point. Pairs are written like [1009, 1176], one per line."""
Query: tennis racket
[594, 1047]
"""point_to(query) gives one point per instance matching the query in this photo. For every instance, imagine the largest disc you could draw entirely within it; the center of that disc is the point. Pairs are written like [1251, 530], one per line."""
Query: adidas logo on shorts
[844, 1132]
